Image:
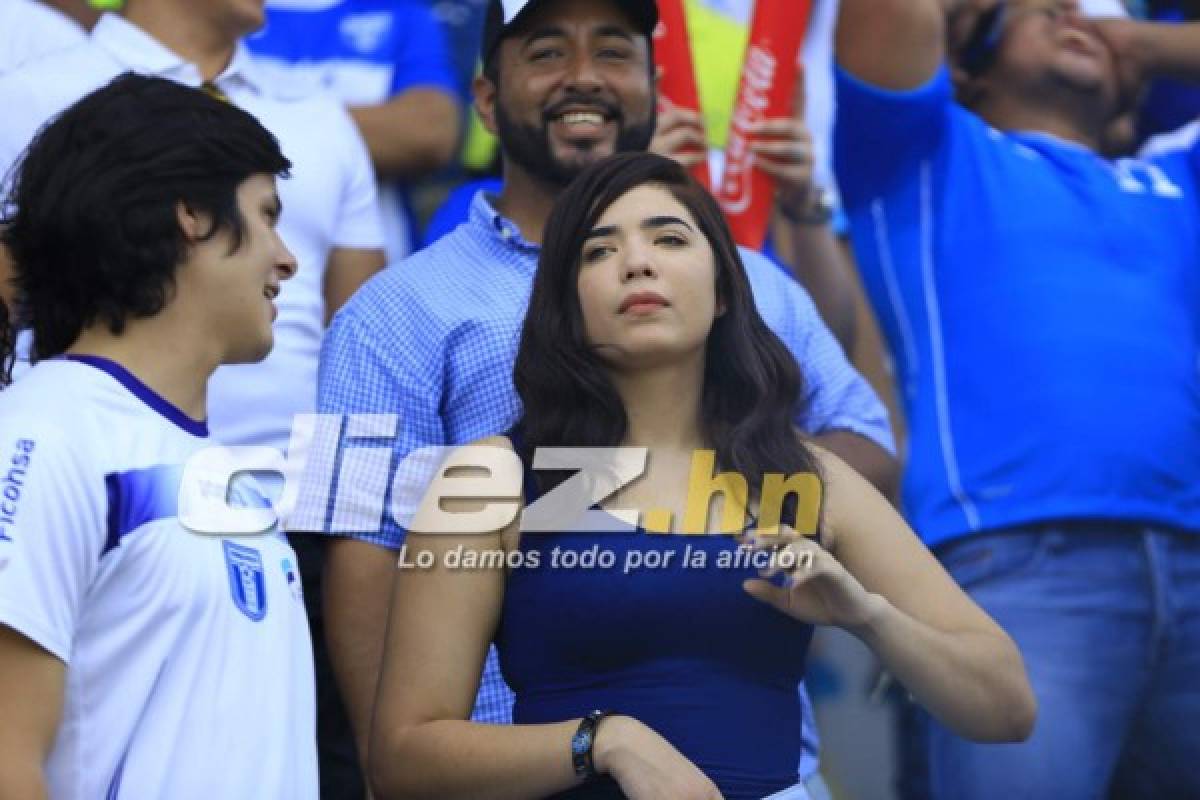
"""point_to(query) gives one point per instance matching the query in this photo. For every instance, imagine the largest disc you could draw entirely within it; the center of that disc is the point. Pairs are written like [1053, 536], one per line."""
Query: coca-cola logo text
[753, 99]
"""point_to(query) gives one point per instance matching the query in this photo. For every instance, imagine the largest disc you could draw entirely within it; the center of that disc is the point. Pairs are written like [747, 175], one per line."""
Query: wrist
[813, 206]
[872, 618]
[610, 742]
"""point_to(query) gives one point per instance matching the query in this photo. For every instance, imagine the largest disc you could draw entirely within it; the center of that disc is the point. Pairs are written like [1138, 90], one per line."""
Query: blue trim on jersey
[114, 786]
[139, 497]
[143, 393]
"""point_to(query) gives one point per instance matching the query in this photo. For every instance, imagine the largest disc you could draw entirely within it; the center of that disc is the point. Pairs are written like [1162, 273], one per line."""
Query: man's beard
[529, 146]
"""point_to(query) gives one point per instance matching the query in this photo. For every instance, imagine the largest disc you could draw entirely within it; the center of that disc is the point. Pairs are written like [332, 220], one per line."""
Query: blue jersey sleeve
[422, 58]
[881, 135]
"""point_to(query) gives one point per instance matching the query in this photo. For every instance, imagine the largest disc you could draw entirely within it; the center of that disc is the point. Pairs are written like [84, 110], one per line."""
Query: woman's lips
[642, 302]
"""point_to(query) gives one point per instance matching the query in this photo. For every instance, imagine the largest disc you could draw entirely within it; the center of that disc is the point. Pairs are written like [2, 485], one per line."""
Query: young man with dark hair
[330, 220]
[137, 656]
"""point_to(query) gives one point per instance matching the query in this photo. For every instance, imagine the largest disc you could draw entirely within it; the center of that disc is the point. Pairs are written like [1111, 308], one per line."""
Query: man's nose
[286, 264]
[583, 75]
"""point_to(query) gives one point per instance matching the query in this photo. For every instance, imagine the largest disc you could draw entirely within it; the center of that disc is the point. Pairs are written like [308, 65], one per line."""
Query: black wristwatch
[816, 210]
[582, 742]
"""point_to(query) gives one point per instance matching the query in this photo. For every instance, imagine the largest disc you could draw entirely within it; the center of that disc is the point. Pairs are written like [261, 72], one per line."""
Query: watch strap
[583, 742]
[816, 210]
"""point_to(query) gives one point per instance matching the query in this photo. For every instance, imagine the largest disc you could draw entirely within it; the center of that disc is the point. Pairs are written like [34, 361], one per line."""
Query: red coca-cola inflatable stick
[677, 77]
[769, 74]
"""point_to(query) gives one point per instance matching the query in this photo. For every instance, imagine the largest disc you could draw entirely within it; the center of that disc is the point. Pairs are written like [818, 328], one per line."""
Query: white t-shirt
[29, 29]
[189, 665]
[329, 201]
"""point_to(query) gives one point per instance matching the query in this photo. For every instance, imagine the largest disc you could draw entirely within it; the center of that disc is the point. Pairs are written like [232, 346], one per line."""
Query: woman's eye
[594, 253]
[672, 240]
[544, 54]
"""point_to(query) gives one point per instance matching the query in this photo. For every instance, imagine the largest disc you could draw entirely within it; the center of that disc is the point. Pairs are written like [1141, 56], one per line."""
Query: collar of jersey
[142, 53]
[141, 391]
[1042, 137]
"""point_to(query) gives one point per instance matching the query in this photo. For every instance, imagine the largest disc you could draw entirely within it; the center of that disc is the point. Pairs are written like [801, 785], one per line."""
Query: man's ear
[194, 225]
[484, 92]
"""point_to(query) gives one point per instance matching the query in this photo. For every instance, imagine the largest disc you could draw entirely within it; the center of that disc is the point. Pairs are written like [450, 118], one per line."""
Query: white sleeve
[52, 534]
[359, 224]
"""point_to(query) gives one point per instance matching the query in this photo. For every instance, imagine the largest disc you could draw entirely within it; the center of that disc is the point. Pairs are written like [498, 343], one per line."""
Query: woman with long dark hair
[652, 662]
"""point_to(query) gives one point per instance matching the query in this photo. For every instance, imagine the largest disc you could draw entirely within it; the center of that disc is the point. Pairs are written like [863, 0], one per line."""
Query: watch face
[580, 743]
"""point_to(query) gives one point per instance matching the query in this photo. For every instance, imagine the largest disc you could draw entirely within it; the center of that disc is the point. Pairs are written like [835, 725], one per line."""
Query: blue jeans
[1107, 618]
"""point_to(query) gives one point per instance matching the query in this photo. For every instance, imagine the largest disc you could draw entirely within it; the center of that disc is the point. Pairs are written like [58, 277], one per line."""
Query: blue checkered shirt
[434, 337]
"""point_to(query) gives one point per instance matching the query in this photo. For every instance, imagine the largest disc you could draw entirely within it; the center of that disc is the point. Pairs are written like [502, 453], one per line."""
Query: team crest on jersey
[247, 580]
[365, 33]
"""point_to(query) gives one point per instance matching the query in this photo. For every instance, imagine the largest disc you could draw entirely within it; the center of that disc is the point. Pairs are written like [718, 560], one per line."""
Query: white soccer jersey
[189, 665]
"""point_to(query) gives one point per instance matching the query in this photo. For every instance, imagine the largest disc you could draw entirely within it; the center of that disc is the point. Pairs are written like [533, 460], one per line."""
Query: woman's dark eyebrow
[649, 223]
[659, 222]
[604, 230]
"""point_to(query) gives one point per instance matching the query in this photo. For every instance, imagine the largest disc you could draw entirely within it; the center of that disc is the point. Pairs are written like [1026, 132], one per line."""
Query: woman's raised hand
[816, 588]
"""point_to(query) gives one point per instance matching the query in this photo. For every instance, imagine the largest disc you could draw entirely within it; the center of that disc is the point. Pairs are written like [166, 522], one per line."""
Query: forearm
[22, 779]
[867, 458]
[346, 270]
[819, 262]
[412, 134]
[449, 759]
[972, 681]
[357, 584]
[893, 44]
[1169, 50]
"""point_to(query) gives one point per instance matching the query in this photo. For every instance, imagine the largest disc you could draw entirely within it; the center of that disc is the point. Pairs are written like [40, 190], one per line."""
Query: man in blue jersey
[139, 658]
[387, 61]
[433, 340]
[1043, 306]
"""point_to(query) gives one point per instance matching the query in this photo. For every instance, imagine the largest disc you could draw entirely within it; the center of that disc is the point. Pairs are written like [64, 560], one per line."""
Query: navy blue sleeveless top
[680, 647]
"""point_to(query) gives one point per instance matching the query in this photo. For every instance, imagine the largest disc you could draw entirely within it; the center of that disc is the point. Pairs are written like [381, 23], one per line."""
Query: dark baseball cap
[504, 16]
